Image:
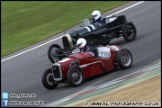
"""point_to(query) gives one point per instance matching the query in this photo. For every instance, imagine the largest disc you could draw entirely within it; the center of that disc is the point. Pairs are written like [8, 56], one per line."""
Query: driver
[96, 14]
[82, 44]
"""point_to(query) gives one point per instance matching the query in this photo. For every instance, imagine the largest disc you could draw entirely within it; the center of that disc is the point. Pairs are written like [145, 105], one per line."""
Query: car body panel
[95, 30]
[89, 63]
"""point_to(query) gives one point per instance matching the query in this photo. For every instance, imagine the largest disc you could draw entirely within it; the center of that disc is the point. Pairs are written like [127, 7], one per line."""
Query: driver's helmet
[81, 42]
[96, 14]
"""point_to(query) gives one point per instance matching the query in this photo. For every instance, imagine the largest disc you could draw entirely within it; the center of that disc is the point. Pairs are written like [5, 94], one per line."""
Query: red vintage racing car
[81, 65]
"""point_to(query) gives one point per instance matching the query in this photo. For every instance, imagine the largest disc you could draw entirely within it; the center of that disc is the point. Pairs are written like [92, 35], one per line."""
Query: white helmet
[96, 14]
[81, 42]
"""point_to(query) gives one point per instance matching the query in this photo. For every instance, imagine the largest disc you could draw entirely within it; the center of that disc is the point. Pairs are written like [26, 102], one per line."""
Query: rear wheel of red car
[53, 52]
[124, 58]
[48, 81]
[75, 76]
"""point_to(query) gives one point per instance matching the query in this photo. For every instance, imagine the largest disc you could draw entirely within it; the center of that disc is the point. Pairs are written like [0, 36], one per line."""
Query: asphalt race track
[22, 74]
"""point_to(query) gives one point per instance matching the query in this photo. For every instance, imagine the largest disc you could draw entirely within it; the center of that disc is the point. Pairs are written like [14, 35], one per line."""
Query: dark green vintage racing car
[95, 34]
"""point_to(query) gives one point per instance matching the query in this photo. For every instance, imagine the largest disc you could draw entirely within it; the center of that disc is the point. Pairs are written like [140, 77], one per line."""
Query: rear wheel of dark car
[75, 76]
[124, 58]
[53, 51]
[47, 80]
[129, 32]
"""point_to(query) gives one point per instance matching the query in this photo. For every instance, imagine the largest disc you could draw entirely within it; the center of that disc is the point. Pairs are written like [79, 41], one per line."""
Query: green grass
[24, 23]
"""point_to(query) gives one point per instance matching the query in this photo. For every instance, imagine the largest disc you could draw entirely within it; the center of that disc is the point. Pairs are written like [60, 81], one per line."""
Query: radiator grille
[56, 72]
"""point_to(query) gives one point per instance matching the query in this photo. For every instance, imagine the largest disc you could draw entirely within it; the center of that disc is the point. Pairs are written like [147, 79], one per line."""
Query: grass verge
[27, 22]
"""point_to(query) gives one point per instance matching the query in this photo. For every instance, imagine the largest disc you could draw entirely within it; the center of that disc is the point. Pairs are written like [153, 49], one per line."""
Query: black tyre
[75, 76]
[124, 58]
[129, 32]
[48, 81]
[53, 52]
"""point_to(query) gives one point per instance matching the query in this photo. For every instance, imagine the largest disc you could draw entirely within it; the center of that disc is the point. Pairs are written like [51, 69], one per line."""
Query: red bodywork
[90, 64]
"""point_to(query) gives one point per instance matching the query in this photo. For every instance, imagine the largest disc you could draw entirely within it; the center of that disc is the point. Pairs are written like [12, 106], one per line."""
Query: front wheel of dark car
[124, 58]
[129, 32]
[53, 52]
[47, 80]
[75, 76]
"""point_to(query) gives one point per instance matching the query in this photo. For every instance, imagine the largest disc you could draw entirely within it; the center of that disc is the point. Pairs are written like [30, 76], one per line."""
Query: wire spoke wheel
[53, 52]
[124, 58]
[75, 76]
[129, 32]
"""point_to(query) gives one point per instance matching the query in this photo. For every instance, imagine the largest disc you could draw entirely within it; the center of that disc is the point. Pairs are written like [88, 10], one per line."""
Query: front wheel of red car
[75, 76]
[124, 58]
[47, 80]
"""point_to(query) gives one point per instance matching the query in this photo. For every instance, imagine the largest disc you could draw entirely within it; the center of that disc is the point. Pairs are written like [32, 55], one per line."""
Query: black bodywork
[103, 33]
[95, 34]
